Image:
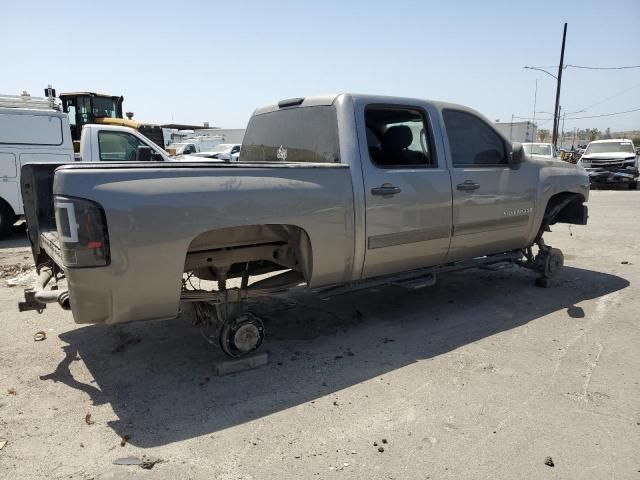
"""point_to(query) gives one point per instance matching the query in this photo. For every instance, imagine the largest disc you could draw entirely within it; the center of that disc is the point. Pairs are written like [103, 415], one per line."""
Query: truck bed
[158, 213]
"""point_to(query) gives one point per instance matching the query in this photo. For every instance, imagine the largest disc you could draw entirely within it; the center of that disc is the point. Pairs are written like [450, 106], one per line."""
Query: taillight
[82, 230]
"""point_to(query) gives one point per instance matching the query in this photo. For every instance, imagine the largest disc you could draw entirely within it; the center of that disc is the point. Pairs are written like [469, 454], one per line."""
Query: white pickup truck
[31, 131]
[105, 143]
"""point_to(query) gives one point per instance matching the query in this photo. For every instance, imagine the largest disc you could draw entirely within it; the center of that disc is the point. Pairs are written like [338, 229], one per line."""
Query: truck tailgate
[37, 196]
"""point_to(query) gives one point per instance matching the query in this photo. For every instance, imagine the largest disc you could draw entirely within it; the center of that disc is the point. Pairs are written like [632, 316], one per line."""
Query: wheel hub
[246, 337]
[241, 335]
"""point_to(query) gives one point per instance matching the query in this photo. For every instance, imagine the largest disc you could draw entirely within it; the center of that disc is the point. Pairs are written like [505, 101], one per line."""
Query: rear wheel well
[250, 250]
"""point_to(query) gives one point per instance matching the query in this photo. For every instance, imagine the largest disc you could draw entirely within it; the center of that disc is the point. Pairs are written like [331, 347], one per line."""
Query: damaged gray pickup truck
[332, 193]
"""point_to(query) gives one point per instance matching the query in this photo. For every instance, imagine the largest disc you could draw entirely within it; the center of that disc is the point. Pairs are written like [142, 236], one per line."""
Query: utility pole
[511, 128]
[556, 119]
[535, 98]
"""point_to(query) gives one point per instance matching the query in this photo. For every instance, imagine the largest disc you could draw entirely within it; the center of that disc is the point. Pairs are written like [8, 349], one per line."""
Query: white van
[28, 135]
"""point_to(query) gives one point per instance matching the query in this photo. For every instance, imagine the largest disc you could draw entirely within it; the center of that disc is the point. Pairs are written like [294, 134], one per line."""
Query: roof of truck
[329, 99]
[609, 140]
[31, 111]
[26, 101]
[95, 94]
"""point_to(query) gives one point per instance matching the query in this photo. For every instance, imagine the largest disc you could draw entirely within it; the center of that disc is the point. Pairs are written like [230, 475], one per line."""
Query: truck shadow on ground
[159, 377]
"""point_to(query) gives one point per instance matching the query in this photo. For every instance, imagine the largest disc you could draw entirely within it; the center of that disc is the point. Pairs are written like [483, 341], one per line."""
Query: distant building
[220, 135]
[229, 135]
[518, 131]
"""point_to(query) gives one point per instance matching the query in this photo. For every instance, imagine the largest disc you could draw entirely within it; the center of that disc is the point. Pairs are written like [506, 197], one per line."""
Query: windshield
[104, 107]
[306, 134]
[609, 147]
[538, 149]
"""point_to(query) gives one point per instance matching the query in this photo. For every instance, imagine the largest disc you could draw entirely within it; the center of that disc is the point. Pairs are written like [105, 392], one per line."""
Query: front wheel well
[565, 207]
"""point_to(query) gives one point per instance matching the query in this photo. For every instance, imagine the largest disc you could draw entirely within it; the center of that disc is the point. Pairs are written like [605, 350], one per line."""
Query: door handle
[468, 186]
[386, 189]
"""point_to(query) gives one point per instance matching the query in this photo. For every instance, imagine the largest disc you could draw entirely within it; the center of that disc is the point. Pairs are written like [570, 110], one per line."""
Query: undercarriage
[225, 315]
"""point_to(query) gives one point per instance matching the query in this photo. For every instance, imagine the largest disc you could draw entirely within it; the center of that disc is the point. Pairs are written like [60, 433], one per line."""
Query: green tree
[593, 134]
[542, 134]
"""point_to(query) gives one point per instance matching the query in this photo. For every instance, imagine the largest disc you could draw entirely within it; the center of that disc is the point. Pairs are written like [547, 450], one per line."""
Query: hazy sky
[188, 61]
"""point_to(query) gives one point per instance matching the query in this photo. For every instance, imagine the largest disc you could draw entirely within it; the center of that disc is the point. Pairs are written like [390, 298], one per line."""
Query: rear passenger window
[472, 141]
[398, 137]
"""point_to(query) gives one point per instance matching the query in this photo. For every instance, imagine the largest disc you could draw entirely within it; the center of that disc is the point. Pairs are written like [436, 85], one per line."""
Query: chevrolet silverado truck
[331, 193]
[611, 162]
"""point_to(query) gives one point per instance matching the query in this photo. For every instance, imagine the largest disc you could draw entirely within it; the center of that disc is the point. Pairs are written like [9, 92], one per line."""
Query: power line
[538, 122]
[602, 68]
[544, 120]
[585, 67]
[612, 96]
[604, 114]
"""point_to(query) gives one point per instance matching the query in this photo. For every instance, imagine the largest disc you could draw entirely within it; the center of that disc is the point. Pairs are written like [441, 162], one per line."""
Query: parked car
[197, 145]
[224, 152]
[540, 150]
[332, 192]
[611, 162]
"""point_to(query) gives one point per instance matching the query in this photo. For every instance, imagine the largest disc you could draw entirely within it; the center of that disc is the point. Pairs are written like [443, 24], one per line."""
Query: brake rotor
[241, 335]
[553, 263]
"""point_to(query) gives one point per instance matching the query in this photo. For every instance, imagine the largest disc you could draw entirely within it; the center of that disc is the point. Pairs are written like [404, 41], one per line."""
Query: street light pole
[557, 111]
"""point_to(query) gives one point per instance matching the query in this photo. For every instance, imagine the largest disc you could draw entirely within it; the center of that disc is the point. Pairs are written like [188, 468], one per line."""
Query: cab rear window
[303, 134]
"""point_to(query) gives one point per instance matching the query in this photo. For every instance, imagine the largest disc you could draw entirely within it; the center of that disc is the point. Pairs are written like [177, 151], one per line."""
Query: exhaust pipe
[49, 296]
[64, 301]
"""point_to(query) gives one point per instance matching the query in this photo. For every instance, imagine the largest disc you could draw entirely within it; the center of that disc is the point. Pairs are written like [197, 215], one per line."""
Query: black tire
[7, 218]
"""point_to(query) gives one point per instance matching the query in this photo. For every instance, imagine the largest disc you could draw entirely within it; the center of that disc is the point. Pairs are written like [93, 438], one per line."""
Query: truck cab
[107, 143]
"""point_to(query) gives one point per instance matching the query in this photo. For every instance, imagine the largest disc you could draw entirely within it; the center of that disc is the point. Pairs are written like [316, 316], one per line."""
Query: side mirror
[226, 157]
[638, 151]
[516, 156]
[143, 154]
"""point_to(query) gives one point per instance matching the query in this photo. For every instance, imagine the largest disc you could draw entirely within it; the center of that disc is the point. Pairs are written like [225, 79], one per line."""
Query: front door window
[118, 146]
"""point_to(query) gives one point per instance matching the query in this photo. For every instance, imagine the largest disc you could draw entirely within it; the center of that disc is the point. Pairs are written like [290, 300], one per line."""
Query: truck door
[407, 189]
[492, 201]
